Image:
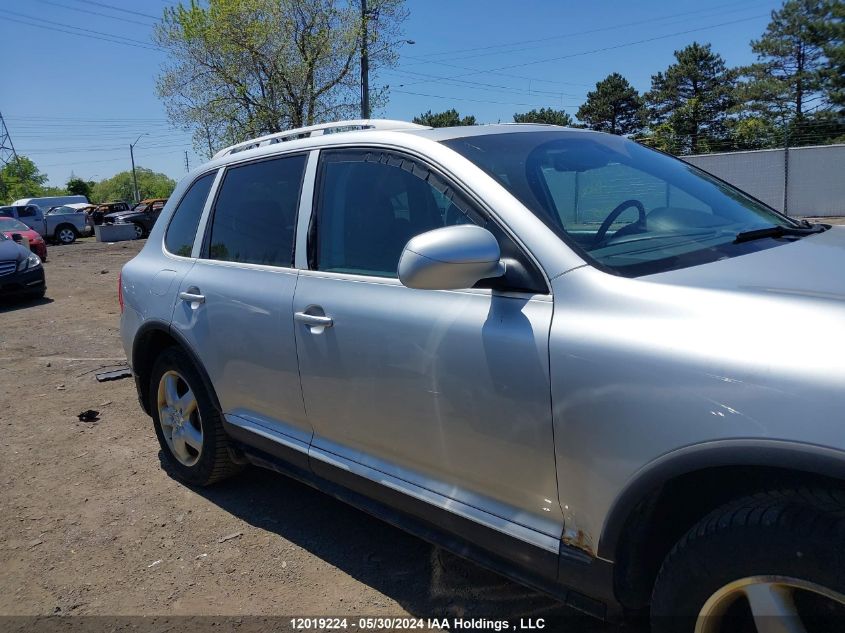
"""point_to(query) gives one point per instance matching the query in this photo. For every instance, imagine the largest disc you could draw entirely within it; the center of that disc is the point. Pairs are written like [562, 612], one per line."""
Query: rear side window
[255, 212]
[182, 230]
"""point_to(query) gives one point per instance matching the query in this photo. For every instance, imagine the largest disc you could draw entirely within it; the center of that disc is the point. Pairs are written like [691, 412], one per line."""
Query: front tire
[187, 423]
[773, 561]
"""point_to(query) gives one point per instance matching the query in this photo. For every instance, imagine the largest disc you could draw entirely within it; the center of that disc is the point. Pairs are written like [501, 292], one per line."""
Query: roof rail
[317, 130]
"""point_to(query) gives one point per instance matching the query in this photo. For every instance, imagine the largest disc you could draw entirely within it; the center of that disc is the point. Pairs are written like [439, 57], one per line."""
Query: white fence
[803, 181]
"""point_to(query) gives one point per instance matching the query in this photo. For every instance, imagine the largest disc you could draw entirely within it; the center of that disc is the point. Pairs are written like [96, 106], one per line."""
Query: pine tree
[614, 106]
[692, 97]
[544, 115]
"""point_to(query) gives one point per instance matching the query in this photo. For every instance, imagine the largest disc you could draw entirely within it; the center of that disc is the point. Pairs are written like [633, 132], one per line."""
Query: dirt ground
[90, 524]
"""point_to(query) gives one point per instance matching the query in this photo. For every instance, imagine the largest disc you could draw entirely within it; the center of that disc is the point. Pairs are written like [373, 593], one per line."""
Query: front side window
[28, 212]
[182, 230]
[626, 208]
[254, 217]
[369, 204]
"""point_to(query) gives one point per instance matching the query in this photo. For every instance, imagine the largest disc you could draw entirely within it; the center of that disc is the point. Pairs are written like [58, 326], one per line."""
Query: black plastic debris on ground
[89, 416]
[115, 374]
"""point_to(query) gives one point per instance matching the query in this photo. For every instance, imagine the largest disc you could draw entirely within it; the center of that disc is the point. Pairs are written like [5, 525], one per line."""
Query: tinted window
[370, 204]
[255, 213]
[183, 226]
[626, 207]
[7, 212]
[27, 212]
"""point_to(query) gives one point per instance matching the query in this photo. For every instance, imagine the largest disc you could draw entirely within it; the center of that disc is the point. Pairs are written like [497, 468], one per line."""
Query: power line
[421, 94]
[114, 8]
[590, 52]
[105, 15]
[88, 37]
[715, 8]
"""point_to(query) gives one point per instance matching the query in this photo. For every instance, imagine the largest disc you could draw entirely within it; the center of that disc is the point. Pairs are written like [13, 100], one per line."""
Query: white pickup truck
[62, 225]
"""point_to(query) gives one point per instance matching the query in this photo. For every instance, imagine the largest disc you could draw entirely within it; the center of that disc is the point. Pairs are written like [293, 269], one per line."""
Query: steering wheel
[610, 219]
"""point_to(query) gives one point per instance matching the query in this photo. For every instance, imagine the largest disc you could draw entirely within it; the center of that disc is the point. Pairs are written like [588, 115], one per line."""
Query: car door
[33, 217]
[441, 394]
[235, 303]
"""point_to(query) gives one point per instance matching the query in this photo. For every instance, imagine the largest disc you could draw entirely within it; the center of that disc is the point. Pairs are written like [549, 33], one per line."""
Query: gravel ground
[92, 525]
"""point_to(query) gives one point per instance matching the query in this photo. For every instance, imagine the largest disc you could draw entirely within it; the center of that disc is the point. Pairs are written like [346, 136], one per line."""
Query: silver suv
[580, 362]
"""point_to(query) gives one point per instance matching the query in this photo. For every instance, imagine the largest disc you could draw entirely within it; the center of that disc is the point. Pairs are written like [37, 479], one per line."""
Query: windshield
[11, 224]
[626, 208]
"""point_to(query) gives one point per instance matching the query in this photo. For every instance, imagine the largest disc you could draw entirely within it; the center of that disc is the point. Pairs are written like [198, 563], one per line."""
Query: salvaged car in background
[21, 271]
[60, 224]
[143, 215]
[21, 233]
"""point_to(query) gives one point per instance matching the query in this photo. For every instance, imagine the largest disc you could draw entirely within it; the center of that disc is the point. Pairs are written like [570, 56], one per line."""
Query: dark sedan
[21, 272]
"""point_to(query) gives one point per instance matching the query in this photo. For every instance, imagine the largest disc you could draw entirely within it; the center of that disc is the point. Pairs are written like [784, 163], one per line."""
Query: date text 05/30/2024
[419, 624]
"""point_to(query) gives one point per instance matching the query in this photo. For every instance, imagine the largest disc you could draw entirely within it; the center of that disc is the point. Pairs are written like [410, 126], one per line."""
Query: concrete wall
[815, 180]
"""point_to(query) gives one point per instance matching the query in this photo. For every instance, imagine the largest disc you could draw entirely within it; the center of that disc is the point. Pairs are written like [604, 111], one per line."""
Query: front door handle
[192, 297]
[313, 320]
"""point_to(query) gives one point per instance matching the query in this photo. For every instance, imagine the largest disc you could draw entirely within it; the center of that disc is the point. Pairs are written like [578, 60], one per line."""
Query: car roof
[461, 131]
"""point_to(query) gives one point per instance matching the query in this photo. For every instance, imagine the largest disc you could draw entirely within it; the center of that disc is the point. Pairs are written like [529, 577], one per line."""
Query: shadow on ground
[425, 580]
[10, 304]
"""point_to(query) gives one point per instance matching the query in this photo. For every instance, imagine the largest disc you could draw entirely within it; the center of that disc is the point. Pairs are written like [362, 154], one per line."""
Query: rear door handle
[192, 297]
[313, 320]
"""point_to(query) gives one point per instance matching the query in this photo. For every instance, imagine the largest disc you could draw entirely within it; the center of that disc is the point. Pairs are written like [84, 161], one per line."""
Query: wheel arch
[668, 496]
[151, 339]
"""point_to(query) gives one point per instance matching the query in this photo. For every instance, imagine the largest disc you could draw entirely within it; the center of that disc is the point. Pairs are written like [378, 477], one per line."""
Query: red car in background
[11, 226]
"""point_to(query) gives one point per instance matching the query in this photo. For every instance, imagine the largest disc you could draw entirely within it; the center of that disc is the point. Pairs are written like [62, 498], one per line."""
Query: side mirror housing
[450, 258]
[17, 237]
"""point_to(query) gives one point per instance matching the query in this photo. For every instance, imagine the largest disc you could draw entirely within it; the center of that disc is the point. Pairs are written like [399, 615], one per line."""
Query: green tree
[693, 97]
[21, 179]
[833, 36]
[614, 106]
[78, 187]
[120, 186]
[449, 118]
[238, 69]
[786, 82]
[544, 115]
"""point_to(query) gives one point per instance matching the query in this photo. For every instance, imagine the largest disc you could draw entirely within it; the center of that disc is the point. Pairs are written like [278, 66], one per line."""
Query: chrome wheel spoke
[171, 395]
[186, 404]
[773, 608]
[191, 436]
[179, 446]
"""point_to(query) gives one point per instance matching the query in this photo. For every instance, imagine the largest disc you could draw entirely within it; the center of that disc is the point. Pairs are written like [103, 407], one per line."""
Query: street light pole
[365, 64]
[132, 158]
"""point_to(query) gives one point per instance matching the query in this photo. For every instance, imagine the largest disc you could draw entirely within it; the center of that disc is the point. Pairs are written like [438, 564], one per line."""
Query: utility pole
[365, 64]
[134, 175]
[7, 148]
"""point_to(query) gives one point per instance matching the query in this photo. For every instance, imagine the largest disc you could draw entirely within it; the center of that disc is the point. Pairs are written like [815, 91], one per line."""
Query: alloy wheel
[66, 236]
[179, 417]
[771, 604]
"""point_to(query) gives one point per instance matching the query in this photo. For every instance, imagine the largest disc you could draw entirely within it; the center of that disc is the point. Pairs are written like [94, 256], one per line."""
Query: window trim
[475, 203]
[205, 243]
[200, 225]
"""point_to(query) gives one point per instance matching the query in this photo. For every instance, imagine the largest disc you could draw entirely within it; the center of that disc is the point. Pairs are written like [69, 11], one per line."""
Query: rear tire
[778, 552]
[140, 231]
[65, 234]
[194, 445]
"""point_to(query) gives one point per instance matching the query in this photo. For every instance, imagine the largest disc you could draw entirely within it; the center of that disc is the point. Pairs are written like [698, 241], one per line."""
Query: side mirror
[17, 237]
[450, 258]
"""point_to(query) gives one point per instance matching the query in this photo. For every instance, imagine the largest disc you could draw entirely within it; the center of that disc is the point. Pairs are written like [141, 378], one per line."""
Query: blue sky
[73, 102]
